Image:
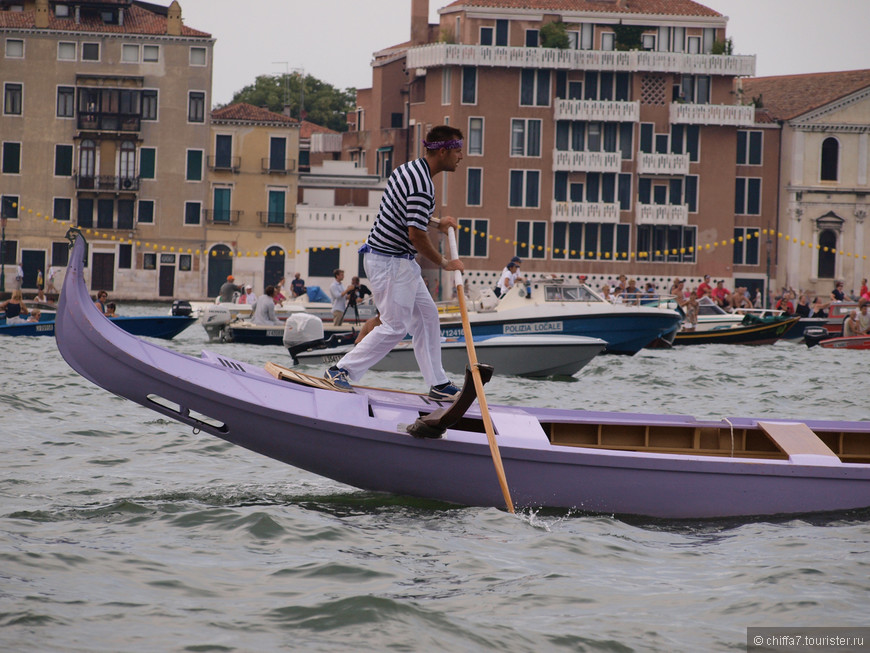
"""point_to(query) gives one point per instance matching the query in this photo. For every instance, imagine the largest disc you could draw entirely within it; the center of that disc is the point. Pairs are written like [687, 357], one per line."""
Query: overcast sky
[333, 40]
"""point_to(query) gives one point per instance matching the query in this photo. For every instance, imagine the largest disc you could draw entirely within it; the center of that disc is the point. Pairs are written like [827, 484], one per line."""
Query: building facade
[602, 137]
[102, 100]
[823, 191]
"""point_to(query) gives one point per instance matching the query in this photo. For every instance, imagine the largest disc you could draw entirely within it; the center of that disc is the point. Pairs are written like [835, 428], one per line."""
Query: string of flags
[706, 247]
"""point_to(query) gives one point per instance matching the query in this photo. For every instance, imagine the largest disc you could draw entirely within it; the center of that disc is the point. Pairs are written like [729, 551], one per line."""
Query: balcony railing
[663, 164]
[230, 163]
[221, 217]
[277, 219]
[326, 142]
[116, 122]
[597, 110]
[450, 54]
[712, 114]
[107, 183]
[585, 212]
[581, 161]
[278, 166]
[672, 214]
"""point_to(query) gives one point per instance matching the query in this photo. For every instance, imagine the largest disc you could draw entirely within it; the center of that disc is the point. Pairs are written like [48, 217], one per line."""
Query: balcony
[670, 214]
[450, 54]
[712, 114]
[582, 161]
[663, 164]
[226, 163]
[108, 183]
[596, 110]
[221, 217]
[276, 219]
[278, 166]
[103, 121]
[585, 212]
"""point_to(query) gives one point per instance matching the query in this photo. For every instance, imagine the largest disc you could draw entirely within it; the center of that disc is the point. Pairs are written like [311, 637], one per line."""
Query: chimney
[419, 22]
[42, 14]
[173, 19]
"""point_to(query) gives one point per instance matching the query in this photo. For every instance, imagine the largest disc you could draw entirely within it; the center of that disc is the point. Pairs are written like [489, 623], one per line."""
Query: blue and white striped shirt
[408, 201]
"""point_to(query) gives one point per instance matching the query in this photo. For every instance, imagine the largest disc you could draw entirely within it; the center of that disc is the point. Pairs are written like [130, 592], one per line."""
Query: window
[66, 103]
[66, 51]
[146, 212]
[127, 165]
[125, 256]
[475, 136]
[61, 11]
[198, 57]
[147, 162]
[531, 239]
[149, 261]
[196, 106]
[524, 188]
[9, 207]
[87, 158]
[60, 254]
[501, 32]
[63, 160]
[222, 205]
[608, 41]
[591, 241]
[90, 51]
[746, 245]
[149, 105]
[12, 252]
[129, 53]
[62, 209]
[525, 137]
[14, 48]
[191, 212]
[105, 214]
[534, 87]
[469, 85]
[185, 262]
[85, 212]
[830, 159]
[648, 41]
[12, 99]
[747, 196]
[446, 86]
[278, 153]
[194, 165]
[223, 148]
[532, 38]
[691, 196]
[474, 241]
[749, 147]
[695, 88]
[486, 35]
[11, 158]
[150, 53]
[474, 194]
[671, 243]
[125, 213]
[277, 203]
[586, 34]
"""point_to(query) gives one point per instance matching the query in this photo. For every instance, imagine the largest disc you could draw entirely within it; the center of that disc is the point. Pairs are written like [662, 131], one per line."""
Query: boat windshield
[560, 293]
[707, 306]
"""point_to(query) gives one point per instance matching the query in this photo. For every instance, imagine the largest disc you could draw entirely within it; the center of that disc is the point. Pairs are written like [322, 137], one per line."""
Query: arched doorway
[220, 265]
[273, 267]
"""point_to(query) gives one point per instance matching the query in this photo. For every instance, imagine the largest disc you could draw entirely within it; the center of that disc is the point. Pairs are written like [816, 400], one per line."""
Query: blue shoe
[338, 377]
[443, 391]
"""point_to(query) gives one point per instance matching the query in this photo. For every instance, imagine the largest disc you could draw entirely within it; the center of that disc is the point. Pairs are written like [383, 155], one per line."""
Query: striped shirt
[408, 201]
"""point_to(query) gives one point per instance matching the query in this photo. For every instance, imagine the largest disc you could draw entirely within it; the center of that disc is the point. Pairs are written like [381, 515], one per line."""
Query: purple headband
[454, 144]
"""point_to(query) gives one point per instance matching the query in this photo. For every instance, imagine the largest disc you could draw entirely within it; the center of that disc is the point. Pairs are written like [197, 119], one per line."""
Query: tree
[322, 103]
[555, 35]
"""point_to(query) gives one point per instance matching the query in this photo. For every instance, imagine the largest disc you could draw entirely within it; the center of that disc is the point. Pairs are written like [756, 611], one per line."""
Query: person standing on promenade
[397, 236]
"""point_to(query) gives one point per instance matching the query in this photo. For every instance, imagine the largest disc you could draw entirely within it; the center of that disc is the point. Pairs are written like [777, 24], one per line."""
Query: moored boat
[152, 326]
[642, 464]
[518, 355]
[751, 331]
[821, 337]
[567, 309]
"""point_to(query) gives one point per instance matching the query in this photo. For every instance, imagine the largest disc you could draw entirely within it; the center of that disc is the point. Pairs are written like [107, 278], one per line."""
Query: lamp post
[768, 244]
[3, 253]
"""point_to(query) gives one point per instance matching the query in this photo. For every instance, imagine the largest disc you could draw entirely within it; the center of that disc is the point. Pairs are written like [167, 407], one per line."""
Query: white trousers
[405, 306]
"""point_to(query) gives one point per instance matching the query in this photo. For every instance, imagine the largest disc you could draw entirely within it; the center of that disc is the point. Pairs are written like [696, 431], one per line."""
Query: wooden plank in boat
[286, 374]
[796, 438]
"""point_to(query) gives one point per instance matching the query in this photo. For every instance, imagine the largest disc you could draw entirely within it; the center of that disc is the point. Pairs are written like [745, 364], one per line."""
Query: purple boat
[652, 465]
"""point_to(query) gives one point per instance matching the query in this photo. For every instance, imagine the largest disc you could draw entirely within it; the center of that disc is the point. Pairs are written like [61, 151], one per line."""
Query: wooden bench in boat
[797, 440]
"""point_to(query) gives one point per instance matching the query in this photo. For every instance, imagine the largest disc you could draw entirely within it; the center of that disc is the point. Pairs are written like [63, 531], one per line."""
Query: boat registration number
[532, 327]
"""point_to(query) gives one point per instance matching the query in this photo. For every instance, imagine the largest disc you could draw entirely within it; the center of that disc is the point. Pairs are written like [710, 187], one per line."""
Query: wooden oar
[475, 373]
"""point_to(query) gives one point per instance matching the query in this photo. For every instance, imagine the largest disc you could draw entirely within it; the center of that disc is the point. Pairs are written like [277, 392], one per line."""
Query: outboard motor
[301, 332]
[182, 307]
[815, 334]
[214, 319]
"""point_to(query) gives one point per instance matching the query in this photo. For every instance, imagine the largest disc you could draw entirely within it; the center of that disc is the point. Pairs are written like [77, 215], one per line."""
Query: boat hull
[754, 334]
[160, 326]
[359, 437]
[536, 356]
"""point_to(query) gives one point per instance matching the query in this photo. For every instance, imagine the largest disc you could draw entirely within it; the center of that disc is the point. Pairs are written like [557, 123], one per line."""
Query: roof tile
[788, 96]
